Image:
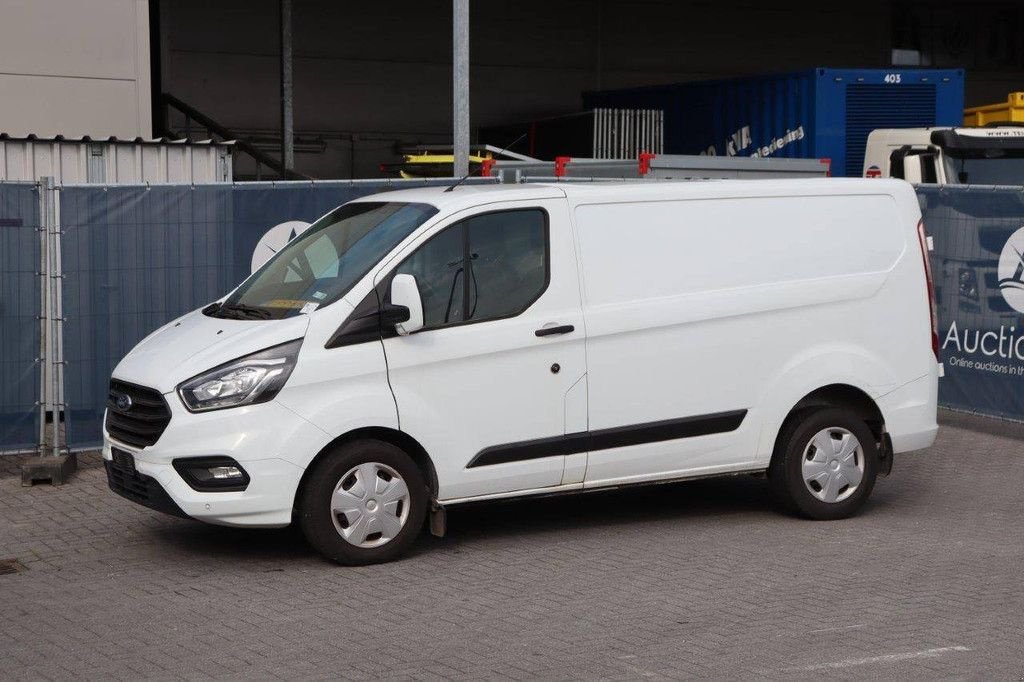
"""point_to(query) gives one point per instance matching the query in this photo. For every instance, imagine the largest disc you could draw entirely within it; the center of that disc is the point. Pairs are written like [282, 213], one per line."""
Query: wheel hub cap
[370, 505]
[832, 466]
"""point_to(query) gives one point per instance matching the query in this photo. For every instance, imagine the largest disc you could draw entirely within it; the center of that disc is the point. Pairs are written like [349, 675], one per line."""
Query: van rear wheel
[363, 503]
[825, 464]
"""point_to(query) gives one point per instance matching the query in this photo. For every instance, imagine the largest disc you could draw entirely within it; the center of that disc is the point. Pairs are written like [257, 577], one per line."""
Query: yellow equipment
[1011, 111]
[428, 164]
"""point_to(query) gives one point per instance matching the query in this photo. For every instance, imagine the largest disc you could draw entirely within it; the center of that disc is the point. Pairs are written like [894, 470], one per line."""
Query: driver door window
[488, 267]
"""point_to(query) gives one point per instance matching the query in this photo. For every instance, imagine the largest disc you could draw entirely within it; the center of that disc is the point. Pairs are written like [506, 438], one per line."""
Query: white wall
[75, 67]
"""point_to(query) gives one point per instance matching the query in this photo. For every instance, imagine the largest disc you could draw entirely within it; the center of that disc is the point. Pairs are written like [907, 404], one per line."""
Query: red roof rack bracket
[645, 162]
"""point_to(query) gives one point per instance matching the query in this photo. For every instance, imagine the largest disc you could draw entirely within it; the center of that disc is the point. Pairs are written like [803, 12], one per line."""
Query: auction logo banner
[979, 280]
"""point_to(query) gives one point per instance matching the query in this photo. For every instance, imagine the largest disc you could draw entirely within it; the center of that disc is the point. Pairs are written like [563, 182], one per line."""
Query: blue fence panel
[137, 257]
[978, 266]
[19, 316]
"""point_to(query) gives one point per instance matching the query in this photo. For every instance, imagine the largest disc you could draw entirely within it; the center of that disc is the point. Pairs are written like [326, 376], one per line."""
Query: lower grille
[136, 415]
[141, 489]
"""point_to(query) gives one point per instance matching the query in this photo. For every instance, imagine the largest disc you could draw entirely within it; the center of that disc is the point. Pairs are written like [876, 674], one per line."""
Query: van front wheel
[825, 464]
[364, 503]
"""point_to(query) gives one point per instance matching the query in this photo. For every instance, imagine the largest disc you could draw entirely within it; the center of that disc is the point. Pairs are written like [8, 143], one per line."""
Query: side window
[439, 269]
[486, 267]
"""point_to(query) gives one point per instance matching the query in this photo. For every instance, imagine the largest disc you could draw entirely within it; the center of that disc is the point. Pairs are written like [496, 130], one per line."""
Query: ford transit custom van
[421, 349]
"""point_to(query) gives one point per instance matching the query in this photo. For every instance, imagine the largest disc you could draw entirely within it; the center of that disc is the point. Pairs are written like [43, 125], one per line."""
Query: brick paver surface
[702, 579]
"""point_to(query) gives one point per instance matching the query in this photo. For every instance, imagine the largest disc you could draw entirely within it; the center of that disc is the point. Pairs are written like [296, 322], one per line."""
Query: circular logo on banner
[274, 240]
[1011, 271]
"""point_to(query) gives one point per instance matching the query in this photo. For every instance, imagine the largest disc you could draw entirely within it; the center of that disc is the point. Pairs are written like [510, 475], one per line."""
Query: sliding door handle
[560, 329]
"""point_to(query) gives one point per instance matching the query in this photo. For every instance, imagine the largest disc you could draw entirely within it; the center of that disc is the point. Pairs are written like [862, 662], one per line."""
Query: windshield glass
[995, 170]
[324, 262]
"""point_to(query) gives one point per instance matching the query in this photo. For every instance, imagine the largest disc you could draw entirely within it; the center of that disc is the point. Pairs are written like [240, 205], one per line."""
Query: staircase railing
[213, 128]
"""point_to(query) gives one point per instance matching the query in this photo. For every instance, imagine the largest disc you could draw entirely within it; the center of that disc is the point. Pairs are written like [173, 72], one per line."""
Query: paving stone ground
[695, 580]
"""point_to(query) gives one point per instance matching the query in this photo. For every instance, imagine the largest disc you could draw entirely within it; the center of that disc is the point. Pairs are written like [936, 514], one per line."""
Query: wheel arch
[838, 395]
[399, 439]
[850, 397]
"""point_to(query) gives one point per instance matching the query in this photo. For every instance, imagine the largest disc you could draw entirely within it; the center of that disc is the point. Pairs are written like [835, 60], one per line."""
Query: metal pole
[460, 85]
[57, 289]
[45, 354]
[287, 121]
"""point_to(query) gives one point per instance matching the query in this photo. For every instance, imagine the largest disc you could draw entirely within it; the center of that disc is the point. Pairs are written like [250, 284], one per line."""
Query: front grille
[145, 490]
[145, 418]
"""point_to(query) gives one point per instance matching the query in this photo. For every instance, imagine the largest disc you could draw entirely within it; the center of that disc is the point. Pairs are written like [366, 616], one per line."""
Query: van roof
[467, 196]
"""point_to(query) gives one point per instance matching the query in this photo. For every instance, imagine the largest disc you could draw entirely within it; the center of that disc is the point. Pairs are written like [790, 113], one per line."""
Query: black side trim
[604, 439]
[364, 324]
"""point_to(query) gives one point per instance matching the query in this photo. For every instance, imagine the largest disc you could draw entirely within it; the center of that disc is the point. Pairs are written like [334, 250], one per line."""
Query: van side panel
[706, 306]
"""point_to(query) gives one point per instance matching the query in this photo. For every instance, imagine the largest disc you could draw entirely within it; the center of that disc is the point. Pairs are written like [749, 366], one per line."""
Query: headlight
[254, 378]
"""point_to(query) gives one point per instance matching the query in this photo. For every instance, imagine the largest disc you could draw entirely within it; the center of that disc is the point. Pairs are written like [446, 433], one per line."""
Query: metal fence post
[44, 315]
[54, 463]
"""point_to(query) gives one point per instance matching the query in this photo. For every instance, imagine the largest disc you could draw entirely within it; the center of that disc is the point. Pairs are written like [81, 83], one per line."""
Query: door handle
[560, 329]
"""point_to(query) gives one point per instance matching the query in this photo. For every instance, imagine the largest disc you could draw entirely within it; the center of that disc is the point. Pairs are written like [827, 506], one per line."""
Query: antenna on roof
[504, 149]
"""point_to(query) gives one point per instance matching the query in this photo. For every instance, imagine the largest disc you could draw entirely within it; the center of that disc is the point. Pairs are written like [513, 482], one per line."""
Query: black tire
[786, 470]
[314, 504]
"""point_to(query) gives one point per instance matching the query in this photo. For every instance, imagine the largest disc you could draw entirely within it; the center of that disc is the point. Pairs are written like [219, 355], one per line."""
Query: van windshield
[320, 265]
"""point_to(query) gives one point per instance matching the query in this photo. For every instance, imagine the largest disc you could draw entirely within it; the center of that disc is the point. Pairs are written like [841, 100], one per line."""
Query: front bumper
[144, 490]
[273, 444]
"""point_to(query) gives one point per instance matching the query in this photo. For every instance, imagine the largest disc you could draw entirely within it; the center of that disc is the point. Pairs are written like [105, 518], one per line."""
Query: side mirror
[405, 294]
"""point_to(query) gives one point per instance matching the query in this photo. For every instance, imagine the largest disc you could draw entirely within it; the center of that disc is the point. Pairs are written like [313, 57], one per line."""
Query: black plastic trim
[145, 419]
[550, 331]
[185, 465]
[363, 324]
[970, 145]
[141, 489]
[605, 439]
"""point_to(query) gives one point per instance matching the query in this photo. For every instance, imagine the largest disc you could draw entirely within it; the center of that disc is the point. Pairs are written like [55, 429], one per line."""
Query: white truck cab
[421, 349]
[947, 156]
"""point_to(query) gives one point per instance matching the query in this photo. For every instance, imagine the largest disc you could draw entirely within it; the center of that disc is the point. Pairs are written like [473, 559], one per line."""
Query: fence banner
[19, 316]
[978, 266]
[136, 257]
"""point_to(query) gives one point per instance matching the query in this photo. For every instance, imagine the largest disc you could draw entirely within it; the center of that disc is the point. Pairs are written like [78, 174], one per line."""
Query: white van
[425, 348]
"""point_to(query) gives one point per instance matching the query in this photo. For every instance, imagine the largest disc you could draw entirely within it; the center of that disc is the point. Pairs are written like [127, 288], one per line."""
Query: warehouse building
[370, 78]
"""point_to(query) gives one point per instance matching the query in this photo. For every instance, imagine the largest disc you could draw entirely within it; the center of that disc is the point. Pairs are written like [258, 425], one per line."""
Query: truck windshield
[996, 168]
[324, 262]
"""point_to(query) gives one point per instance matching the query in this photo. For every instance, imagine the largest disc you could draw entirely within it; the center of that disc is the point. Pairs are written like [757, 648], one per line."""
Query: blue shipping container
[817, 113]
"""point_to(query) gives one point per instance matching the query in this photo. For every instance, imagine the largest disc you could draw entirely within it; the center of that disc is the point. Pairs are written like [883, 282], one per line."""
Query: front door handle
[560, 329]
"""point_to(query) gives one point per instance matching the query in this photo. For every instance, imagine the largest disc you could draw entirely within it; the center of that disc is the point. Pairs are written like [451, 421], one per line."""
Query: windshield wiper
[243, 311]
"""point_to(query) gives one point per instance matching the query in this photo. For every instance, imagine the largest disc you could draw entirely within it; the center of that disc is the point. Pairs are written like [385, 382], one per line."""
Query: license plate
[125, 460]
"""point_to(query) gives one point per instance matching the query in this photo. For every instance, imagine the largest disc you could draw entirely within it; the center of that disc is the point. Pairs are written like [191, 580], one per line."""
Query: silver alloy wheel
[833, 464]
[370, 505]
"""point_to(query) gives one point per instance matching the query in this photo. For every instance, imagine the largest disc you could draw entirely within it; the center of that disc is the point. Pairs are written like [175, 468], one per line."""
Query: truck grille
[142, 421]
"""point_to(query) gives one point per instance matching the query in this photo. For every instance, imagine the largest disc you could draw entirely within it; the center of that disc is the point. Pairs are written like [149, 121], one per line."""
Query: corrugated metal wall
[114, 162]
